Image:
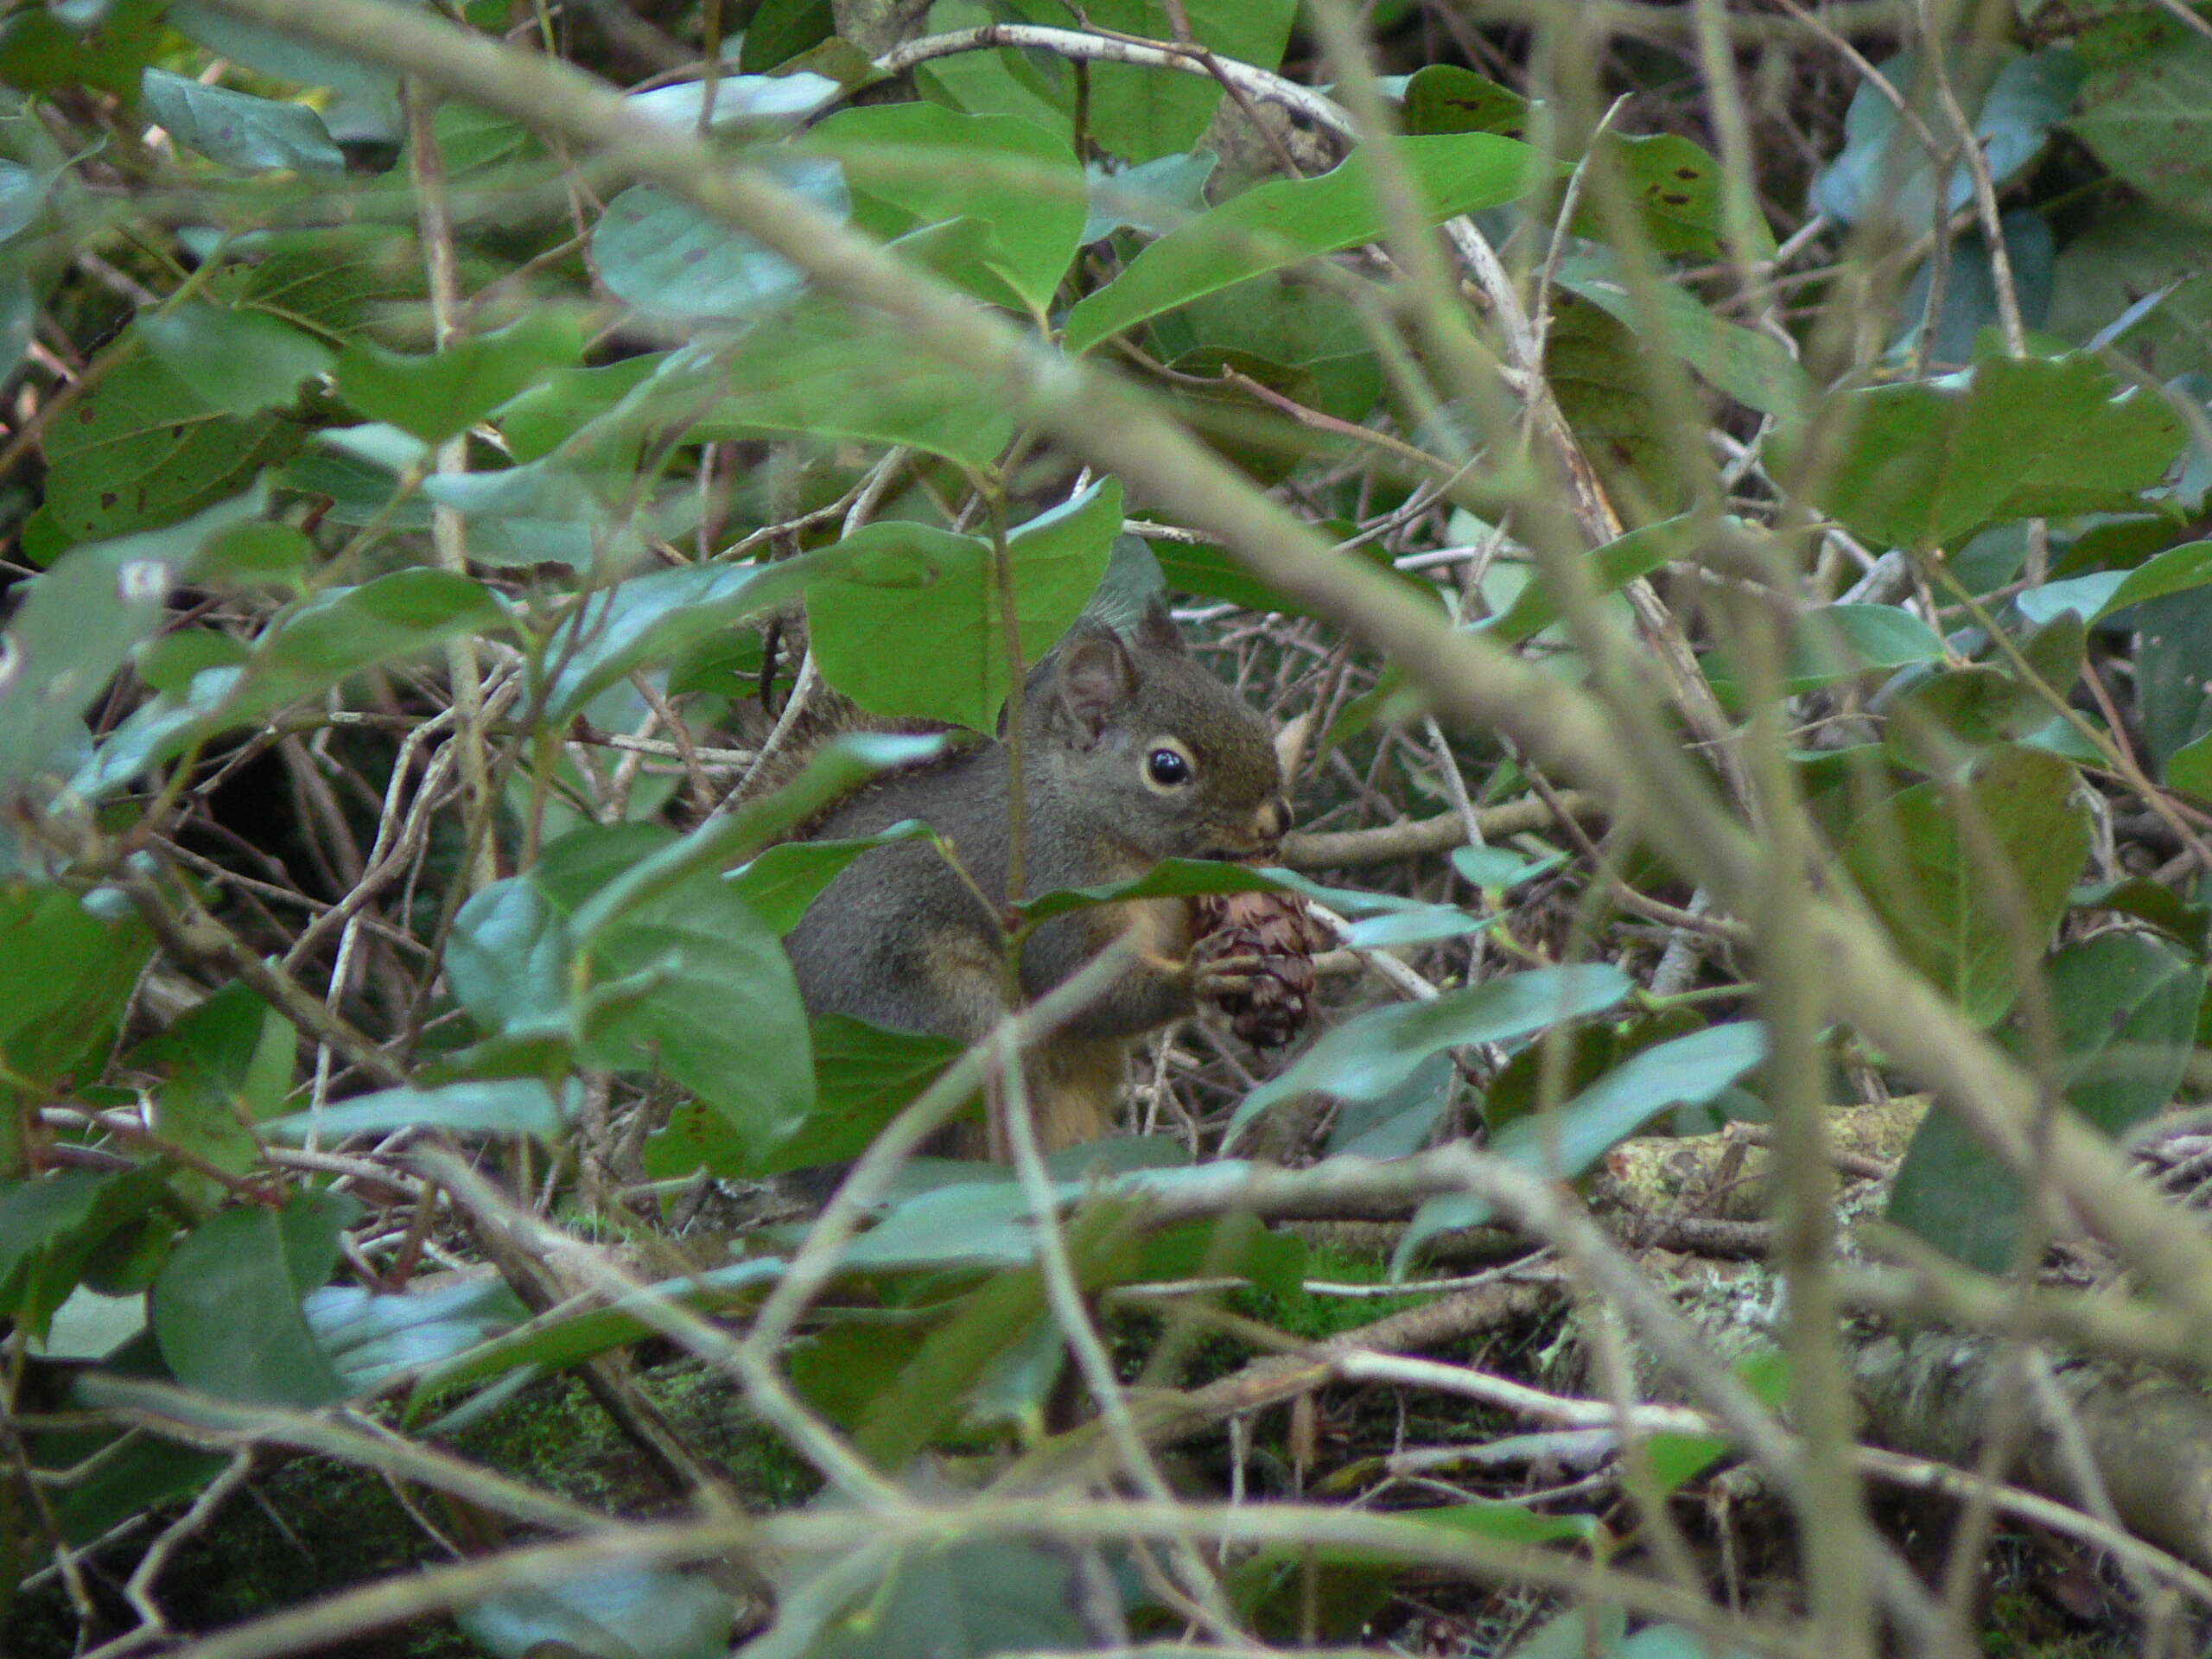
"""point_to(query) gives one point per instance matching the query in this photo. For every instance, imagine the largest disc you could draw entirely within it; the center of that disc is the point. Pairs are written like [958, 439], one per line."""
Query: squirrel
[1131, 753]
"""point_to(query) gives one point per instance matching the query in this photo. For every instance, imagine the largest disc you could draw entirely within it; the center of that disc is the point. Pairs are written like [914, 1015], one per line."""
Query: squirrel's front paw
[1219, 970]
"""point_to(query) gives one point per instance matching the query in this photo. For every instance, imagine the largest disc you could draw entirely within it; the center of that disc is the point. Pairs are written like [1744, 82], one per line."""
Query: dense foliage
[1715, 495]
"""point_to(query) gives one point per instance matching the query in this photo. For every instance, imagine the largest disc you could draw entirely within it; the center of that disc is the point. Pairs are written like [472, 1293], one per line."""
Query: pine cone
[1275, 928]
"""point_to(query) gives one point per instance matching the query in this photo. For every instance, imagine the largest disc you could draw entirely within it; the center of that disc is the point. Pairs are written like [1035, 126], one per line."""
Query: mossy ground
[312, 1526]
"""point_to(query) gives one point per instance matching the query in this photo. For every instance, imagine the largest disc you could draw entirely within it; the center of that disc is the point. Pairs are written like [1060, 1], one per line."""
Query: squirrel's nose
[1273, 820]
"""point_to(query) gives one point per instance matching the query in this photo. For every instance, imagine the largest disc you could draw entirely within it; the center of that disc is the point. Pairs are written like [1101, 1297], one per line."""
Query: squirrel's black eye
[1167, 768]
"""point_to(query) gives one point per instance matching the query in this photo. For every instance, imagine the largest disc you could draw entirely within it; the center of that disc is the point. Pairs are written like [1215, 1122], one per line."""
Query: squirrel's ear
[1156, 629]
[1095, 676]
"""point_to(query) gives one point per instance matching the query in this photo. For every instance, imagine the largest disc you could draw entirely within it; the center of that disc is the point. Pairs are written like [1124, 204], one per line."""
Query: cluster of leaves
[446, 529]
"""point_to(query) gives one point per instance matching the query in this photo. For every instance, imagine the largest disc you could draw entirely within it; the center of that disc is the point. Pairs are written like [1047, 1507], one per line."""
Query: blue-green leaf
[1372, 1053]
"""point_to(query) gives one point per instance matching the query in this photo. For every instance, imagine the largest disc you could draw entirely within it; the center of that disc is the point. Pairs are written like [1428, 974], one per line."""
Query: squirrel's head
[1174, 763]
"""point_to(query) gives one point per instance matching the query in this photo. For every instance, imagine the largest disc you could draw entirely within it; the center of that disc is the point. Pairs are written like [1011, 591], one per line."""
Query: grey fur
[900, 940]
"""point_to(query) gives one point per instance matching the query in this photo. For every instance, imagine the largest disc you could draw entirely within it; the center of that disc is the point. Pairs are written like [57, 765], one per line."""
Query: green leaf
[343, 631]
[965, 1599]
[1172, 878]
[1444, 98]
[721, 1013]
[1154, 196]
[2176, 570]
[227, 1065]
[1306, 343]
[2173, 674]
[2053, 654]
[1563, 1145]
[1609, 568]
[2189, 768]
[1677, 1459]
[78, 623]
[1676, 185]
[1929, 864]
[34, 1214]
[1968, 708]
[1571, 1634]
[785, 879]
[1498, 869]
[507, 960]
[560, 1339]
[991, 1329]
[549, 512]
[1192, 568]
[669, 259]
[343, 280]
[1525, 1083]
[50, 1227]
[915, 164]
[68, 966]
[2124, 1009]
[1423, 925]
[1003, 82]
[505, 1106]
[756, 106]
[1141, 113]
[380, 445]
[656, 617]
[1967, 306]
[1927, 463]
[19, 311]
[2122, 255]
[982, 1222]
[564, 404]
[1133, 581]
[1374, 1052]
[91, 1326]
[1675, 1641]
[1886, 174]
[828, 370]
[1879, 636]
[487, 152]
[226, 1307]
[1674, 182]
[257, 135]
[1399, 1122]
[2124, 1005]
[370, 1336]
[864, 1075]
[1279, 223]
[2148, 901]
[837, 766]
[142, 448]
[169, 662]
[368, 98]
[40, 52]
[1752, 367]
[2148, 116]
[2082, 597]
[240, 362]
[904, 584]
[436, 397]
[1597, 367]
[628, 1613]
[781, 29]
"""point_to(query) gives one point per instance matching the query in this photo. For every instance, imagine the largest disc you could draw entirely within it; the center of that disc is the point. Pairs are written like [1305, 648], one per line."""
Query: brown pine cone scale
[1276, 928]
